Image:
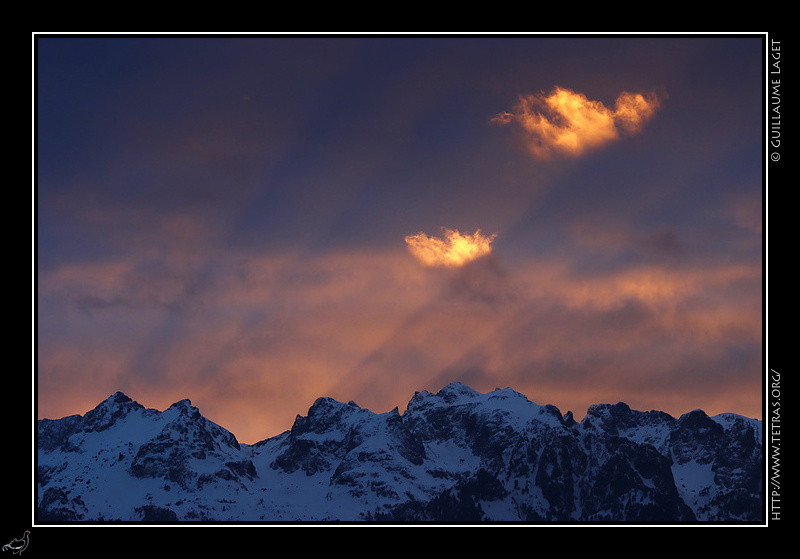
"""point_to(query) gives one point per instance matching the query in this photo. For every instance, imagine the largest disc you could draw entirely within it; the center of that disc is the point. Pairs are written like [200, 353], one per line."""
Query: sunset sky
[254, 222]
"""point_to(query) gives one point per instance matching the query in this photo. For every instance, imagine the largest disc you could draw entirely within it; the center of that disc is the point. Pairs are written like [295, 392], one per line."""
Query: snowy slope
[454, 456]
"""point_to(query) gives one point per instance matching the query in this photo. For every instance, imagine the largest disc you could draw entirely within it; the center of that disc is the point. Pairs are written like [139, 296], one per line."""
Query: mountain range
[456, 456]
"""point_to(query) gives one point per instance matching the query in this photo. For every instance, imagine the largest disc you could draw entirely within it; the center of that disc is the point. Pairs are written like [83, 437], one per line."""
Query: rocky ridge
[454, 456]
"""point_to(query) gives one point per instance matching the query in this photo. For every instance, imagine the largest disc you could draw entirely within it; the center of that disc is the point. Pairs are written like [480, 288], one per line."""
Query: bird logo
[18, 545]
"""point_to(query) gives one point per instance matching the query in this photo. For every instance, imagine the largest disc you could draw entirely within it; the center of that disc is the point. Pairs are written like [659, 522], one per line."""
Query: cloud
[260, 335]
[564, 121]
[634, 109]
[255, 342]
[484, 281]
[454, 250]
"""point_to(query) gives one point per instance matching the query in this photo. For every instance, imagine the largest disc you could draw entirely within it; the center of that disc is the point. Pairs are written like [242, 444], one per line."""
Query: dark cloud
[484, 280]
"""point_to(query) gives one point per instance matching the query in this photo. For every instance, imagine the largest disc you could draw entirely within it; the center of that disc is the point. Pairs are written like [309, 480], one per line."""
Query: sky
[255, 222]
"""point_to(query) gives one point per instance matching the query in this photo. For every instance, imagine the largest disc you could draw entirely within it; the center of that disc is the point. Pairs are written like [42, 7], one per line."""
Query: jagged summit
[454, 455]
[457, 391]
[118, 397]
[186, 403]
[109, 411]
[116, 401]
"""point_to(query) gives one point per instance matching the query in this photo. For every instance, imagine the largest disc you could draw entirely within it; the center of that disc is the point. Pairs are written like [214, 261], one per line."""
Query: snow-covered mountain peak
[696, 415]
[117, 397]
[454, 455]
[620, 416]
[109, 411]
[456, 393]
[183, 405]
[608, 413]
[329, 415]
[735, 422]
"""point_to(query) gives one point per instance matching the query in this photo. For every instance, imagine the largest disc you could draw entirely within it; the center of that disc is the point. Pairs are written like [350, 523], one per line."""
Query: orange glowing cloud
[454, 250]
[564, 121]
[254, 339]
